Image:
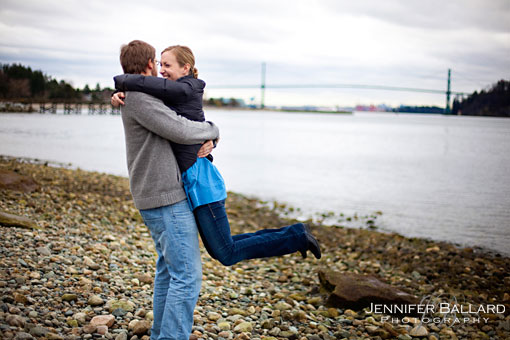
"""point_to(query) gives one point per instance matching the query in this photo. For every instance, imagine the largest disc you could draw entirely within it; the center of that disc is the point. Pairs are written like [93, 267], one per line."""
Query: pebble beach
[80, 265]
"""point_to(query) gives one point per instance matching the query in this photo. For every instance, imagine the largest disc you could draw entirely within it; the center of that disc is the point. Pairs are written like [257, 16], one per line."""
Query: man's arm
[156, 117]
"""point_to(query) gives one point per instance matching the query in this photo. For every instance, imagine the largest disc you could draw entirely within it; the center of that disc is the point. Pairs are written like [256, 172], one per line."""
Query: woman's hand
[206, 149]
[117, 99]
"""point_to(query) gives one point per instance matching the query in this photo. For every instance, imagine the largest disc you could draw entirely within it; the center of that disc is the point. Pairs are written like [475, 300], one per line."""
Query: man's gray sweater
[149, 125]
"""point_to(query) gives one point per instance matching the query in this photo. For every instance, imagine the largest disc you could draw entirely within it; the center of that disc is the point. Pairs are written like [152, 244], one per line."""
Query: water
[439, 177]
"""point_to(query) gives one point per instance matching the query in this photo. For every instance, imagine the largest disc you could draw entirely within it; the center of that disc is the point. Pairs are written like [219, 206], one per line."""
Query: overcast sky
[405, 43]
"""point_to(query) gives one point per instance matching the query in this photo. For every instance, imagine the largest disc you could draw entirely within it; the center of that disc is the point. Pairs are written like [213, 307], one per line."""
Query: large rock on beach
[15, 320]
[126, 305]
[419, 331]
[144, 278]
[10, 220]
[39, 331]
[141, 327]
[100, 320]
[13, 181]
[23, 336]
[95, 300]
[355, 291]
[244, 327]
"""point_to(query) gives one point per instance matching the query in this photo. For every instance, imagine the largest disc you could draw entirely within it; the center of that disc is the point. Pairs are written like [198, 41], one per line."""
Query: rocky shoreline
[82, 268]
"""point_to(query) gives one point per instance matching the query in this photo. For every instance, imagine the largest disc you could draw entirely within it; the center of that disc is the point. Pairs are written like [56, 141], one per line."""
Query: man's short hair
[135, 56]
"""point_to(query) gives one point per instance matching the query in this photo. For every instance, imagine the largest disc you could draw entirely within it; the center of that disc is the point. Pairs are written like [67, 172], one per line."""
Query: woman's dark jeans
[214, 228]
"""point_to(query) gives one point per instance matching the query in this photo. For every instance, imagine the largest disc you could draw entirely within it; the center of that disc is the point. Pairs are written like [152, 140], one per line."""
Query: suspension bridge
[106, 108]
[263, 86]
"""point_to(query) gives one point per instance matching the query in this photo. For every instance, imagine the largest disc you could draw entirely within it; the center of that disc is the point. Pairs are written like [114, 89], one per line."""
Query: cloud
[491, 16]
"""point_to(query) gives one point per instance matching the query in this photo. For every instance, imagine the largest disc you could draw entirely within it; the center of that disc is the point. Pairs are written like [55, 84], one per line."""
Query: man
[158, 193]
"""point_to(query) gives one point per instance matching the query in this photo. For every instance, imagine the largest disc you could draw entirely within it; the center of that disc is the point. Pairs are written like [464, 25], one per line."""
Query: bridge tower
[263, 85]
[448, 93]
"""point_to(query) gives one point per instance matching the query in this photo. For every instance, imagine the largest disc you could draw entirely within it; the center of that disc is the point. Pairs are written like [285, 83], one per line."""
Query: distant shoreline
[60, 111]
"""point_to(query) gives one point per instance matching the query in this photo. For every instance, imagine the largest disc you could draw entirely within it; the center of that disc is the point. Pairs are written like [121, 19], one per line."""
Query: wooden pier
[60, 108]
[78, 108]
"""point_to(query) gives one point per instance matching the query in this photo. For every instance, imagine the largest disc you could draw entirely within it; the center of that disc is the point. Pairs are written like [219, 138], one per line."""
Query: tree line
[494, 102]
[418, 109]
[21, 83]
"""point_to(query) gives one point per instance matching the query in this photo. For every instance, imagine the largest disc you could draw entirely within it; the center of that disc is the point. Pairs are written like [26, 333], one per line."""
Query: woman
[182, 91]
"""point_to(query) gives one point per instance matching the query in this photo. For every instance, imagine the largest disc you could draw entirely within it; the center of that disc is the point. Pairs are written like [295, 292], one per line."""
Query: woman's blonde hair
[184, 56]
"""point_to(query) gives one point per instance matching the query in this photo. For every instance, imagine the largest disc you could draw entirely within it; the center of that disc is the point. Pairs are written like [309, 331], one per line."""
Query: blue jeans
[178, 269]
[214, 228]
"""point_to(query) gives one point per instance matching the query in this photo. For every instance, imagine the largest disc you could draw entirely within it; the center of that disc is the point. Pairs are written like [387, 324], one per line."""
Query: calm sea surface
[439, 177]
